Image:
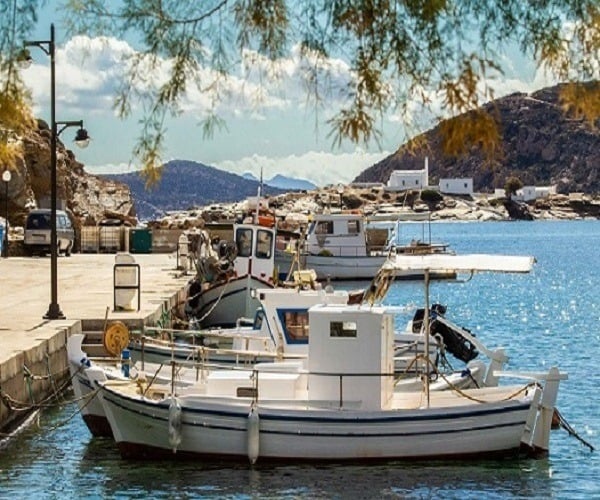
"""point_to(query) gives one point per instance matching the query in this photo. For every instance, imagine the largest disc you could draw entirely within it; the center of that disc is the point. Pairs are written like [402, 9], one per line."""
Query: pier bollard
[126, 277]
[183, 253]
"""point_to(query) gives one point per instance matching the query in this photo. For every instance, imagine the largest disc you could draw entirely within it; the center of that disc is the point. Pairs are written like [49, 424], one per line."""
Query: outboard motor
[460, 347]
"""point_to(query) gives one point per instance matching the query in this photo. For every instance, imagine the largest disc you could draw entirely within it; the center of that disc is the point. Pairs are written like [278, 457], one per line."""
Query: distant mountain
[186, 184]
[290, 183]
[540, 144]
[250, 176]
[283, 182]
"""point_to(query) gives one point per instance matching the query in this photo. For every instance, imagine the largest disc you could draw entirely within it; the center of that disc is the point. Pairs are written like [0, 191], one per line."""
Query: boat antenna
[258, 196]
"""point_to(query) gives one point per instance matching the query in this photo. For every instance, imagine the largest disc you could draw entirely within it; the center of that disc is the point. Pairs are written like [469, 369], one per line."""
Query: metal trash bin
[140, 240]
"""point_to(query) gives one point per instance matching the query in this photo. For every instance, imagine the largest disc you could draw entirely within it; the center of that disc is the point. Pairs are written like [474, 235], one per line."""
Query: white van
[37, 232]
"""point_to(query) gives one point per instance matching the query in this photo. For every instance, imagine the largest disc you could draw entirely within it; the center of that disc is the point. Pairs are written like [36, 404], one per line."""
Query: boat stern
[535, 441]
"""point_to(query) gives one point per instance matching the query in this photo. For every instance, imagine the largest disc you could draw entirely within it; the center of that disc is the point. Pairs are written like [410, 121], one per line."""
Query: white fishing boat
[280, 332]
[280, 329]
[221, 291]
[341, 404]
[114, 368]
[340, 247]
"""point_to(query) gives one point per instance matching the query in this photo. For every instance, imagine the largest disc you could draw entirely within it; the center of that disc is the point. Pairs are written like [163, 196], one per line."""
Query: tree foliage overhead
[400, 52]
[16, 20]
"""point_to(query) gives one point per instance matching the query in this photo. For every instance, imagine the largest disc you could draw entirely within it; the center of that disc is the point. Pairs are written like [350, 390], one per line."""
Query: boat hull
[348, 267]
[220, 428]
[89, 404]
[223, 304]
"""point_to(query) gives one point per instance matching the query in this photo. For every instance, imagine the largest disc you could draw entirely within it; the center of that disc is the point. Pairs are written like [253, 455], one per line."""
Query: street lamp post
[6, 178]
[48, 46]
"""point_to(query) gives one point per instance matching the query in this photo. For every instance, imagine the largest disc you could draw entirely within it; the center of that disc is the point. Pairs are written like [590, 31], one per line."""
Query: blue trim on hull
[392, 419]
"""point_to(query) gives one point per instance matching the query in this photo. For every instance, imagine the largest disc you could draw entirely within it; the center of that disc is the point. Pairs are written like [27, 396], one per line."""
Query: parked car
[37, 232]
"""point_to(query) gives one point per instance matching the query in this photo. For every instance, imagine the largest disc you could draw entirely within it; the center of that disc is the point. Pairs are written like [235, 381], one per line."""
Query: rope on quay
[91, 396]
[15, 405]
[572, 432]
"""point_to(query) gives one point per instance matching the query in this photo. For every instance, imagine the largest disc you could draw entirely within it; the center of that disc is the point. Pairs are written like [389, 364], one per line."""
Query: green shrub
[431, 196]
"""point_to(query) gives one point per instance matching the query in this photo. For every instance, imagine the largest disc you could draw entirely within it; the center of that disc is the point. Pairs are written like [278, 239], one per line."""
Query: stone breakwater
[293, 209]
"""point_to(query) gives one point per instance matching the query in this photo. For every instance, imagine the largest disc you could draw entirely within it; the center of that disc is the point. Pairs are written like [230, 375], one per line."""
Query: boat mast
[426, 323]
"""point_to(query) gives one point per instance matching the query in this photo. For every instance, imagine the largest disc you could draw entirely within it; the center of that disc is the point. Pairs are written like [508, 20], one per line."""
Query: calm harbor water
[550, 317]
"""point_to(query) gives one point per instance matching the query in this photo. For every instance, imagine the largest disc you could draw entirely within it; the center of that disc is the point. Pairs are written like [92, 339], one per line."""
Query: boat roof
[468, 263]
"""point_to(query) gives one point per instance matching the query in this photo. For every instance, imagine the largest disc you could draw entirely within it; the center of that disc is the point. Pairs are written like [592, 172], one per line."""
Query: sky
[283, 135]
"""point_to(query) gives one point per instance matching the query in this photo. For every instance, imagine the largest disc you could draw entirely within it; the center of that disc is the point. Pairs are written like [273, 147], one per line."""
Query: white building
[456, 186]
[401, 180]
[528, 193]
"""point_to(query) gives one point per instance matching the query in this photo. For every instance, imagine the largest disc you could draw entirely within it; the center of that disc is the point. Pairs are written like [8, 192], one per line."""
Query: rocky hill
[87, 198]
[187, 184]
[541, 145]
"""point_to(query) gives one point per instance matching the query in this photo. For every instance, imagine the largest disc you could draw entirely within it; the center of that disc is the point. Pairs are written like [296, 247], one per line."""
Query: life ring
[116, 338]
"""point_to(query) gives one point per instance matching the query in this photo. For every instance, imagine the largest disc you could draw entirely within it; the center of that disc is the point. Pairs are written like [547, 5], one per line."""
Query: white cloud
[319, 167]
[111, 168]
[90, 70]
[260, 97]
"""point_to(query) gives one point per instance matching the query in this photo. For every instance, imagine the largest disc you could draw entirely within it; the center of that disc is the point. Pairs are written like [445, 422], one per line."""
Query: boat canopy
[469, 263]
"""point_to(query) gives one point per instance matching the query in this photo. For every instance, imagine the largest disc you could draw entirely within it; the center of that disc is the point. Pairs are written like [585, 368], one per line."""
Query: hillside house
[401, 180]
[462, 186]
[528, 193]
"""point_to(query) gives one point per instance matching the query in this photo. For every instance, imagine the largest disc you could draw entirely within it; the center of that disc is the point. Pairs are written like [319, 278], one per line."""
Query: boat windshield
[243, 240]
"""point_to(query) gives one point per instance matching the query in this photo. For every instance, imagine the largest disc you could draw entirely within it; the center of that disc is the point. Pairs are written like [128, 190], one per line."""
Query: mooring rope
[566, 426]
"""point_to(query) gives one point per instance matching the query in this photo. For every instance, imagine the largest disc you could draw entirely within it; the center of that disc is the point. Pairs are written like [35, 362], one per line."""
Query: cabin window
[324, 227]
[343, 329]
[258, 319]
[353, 227]
[264, 244]
[243, 241]
[295, 325]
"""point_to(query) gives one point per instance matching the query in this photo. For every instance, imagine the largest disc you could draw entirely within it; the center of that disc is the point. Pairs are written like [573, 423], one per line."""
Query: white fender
[174, 424]
[253, 434]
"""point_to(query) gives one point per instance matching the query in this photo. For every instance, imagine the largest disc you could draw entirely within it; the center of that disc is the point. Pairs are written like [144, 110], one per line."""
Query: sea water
[549, 317]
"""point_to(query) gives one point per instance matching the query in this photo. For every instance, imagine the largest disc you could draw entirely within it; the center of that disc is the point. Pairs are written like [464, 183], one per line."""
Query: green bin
[140, 240]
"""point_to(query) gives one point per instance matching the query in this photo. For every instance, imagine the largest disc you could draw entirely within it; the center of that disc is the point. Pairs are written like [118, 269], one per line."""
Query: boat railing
[339, 251]
[344, 397]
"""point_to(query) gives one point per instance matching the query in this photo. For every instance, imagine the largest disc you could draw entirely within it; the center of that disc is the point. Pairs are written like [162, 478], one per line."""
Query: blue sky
[281, 135]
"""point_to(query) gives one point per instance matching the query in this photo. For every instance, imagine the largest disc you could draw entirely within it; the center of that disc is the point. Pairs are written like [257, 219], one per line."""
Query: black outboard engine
[460, 347]
[417, 321]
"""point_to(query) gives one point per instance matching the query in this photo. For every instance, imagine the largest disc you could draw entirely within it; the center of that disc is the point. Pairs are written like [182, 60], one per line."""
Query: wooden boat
[341, 405]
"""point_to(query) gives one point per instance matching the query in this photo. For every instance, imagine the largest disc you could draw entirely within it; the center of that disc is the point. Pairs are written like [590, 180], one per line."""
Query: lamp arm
[67, 124]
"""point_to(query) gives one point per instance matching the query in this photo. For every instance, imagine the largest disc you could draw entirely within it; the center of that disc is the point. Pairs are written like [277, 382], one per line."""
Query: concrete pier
[32, 349]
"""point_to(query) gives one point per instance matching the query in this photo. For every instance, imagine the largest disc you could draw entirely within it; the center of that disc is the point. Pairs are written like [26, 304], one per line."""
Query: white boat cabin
[357, 344]
[283, 318]
[255, 246]
[338, 235]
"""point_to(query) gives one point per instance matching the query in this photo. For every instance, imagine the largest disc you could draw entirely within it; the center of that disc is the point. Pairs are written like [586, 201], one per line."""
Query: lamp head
[6, 175]
[82, 139]
[24, 58]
